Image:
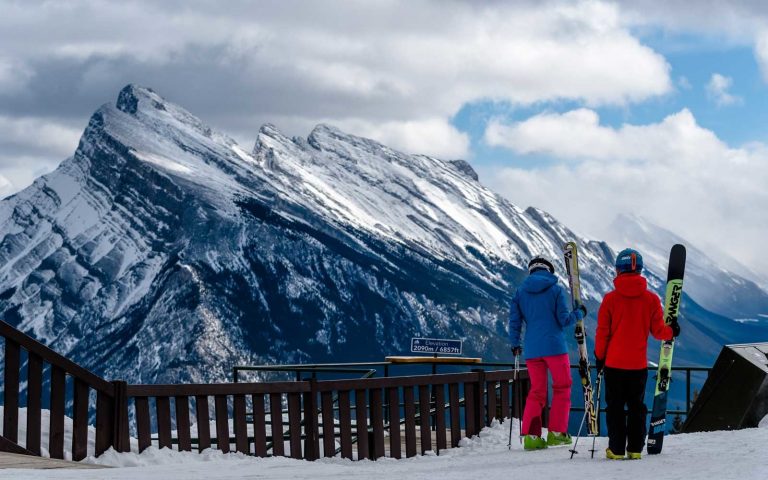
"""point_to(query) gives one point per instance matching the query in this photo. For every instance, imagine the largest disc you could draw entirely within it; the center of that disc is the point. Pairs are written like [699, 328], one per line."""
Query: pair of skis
[570, 253]
[673, 297]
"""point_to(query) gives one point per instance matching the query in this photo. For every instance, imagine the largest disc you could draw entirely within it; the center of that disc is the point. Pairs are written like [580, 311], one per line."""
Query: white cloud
[717, 90]
[389, 70]
[38, 134]
[6, 188]
[30, 147]
[734, 21]
[435, 136]
[761, 53]
[674, 172]
[387, 61]
[20, 171]
[13, 76]
[714, 24]
[578, 135]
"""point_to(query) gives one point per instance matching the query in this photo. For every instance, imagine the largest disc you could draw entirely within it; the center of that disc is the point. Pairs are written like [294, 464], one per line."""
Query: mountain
[727, 262]
[162, 251]
[714, 287]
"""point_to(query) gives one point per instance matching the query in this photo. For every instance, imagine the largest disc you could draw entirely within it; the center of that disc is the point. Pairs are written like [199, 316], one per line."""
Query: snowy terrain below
[705, 456]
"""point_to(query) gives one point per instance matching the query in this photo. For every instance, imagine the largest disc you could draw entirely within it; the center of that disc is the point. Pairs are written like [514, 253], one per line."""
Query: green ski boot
[555, 439]
[612, 456]
[533, 442]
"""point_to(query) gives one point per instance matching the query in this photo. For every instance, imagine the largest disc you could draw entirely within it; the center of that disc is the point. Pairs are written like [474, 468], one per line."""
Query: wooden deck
[14, 460]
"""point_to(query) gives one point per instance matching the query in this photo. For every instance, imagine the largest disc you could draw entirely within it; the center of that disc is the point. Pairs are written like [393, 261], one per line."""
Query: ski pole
[509, 444]
[511, 409]
[576, 443]
[599, 384]
[519, 401]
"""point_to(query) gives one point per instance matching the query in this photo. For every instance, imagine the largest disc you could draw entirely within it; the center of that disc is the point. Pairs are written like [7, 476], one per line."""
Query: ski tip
[676, 268]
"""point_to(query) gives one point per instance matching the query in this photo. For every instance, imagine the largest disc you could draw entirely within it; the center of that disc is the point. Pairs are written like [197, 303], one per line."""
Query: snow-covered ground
[704, 456]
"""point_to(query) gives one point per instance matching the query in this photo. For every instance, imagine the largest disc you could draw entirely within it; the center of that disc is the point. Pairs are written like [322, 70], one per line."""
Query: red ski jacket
[626, 317]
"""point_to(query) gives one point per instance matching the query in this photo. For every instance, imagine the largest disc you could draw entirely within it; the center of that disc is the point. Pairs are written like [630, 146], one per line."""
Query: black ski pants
[626, 431]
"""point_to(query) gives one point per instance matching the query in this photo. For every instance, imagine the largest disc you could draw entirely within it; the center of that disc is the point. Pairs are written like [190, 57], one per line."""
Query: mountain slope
[714, 287]
[162, 251]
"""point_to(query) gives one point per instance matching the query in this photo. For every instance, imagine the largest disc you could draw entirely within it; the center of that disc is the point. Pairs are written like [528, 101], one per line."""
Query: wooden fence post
[480, 400]
[121, 440]
[105, 421]
[311, 426]
[11, 391]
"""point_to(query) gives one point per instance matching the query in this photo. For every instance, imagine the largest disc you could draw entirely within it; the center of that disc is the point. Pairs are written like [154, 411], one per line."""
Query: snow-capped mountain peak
[181, 253]
[716, 288]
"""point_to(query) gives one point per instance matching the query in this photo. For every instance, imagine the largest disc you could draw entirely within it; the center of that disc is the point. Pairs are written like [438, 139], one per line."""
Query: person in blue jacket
[541, 305]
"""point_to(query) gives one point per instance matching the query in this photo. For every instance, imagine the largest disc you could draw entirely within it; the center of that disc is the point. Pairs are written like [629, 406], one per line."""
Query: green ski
[672, 300]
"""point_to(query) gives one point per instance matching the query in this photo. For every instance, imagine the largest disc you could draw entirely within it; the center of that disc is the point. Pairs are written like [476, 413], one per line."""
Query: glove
[599, 364]
[675, 329]
[583, 310]
[517, 351]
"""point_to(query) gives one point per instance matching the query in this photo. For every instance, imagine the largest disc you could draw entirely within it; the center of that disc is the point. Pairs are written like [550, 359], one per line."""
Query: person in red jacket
[626, 316]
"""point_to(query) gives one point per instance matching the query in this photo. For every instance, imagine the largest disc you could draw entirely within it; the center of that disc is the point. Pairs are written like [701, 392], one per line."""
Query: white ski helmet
[540, 262]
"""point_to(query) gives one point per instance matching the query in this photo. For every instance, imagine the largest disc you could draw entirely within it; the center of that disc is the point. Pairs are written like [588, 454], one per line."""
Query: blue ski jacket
[540, 304]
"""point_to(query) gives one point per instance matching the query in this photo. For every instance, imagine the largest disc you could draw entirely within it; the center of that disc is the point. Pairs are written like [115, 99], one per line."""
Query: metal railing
[314, 369]
[688, 383]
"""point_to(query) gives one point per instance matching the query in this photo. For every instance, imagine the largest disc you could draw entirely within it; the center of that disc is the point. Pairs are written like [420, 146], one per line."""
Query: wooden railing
[40, 359]
[230, 401]
[433, 403]
[366, 423]
[360, 418]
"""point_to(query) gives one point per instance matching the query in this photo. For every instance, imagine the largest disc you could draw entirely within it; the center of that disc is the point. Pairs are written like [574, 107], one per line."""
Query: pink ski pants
[559, 367]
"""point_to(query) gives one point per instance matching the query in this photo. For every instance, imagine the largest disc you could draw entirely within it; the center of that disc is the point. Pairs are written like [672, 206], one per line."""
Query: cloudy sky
[585, 109]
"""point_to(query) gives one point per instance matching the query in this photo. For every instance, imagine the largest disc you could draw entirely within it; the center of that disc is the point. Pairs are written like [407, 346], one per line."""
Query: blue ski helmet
[629, 260]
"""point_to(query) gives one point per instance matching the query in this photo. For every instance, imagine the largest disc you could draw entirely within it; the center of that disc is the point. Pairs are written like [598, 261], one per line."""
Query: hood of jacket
[539, 281]
[630, 284]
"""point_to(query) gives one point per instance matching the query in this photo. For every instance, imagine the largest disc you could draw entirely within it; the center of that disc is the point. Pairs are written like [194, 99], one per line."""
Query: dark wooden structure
[735, 395]
[307, 419]
[60, 373]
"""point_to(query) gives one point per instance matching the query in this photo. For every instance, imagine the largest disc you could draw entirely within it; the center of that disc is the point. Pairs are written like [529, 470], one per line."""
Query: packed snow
[704, 456]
